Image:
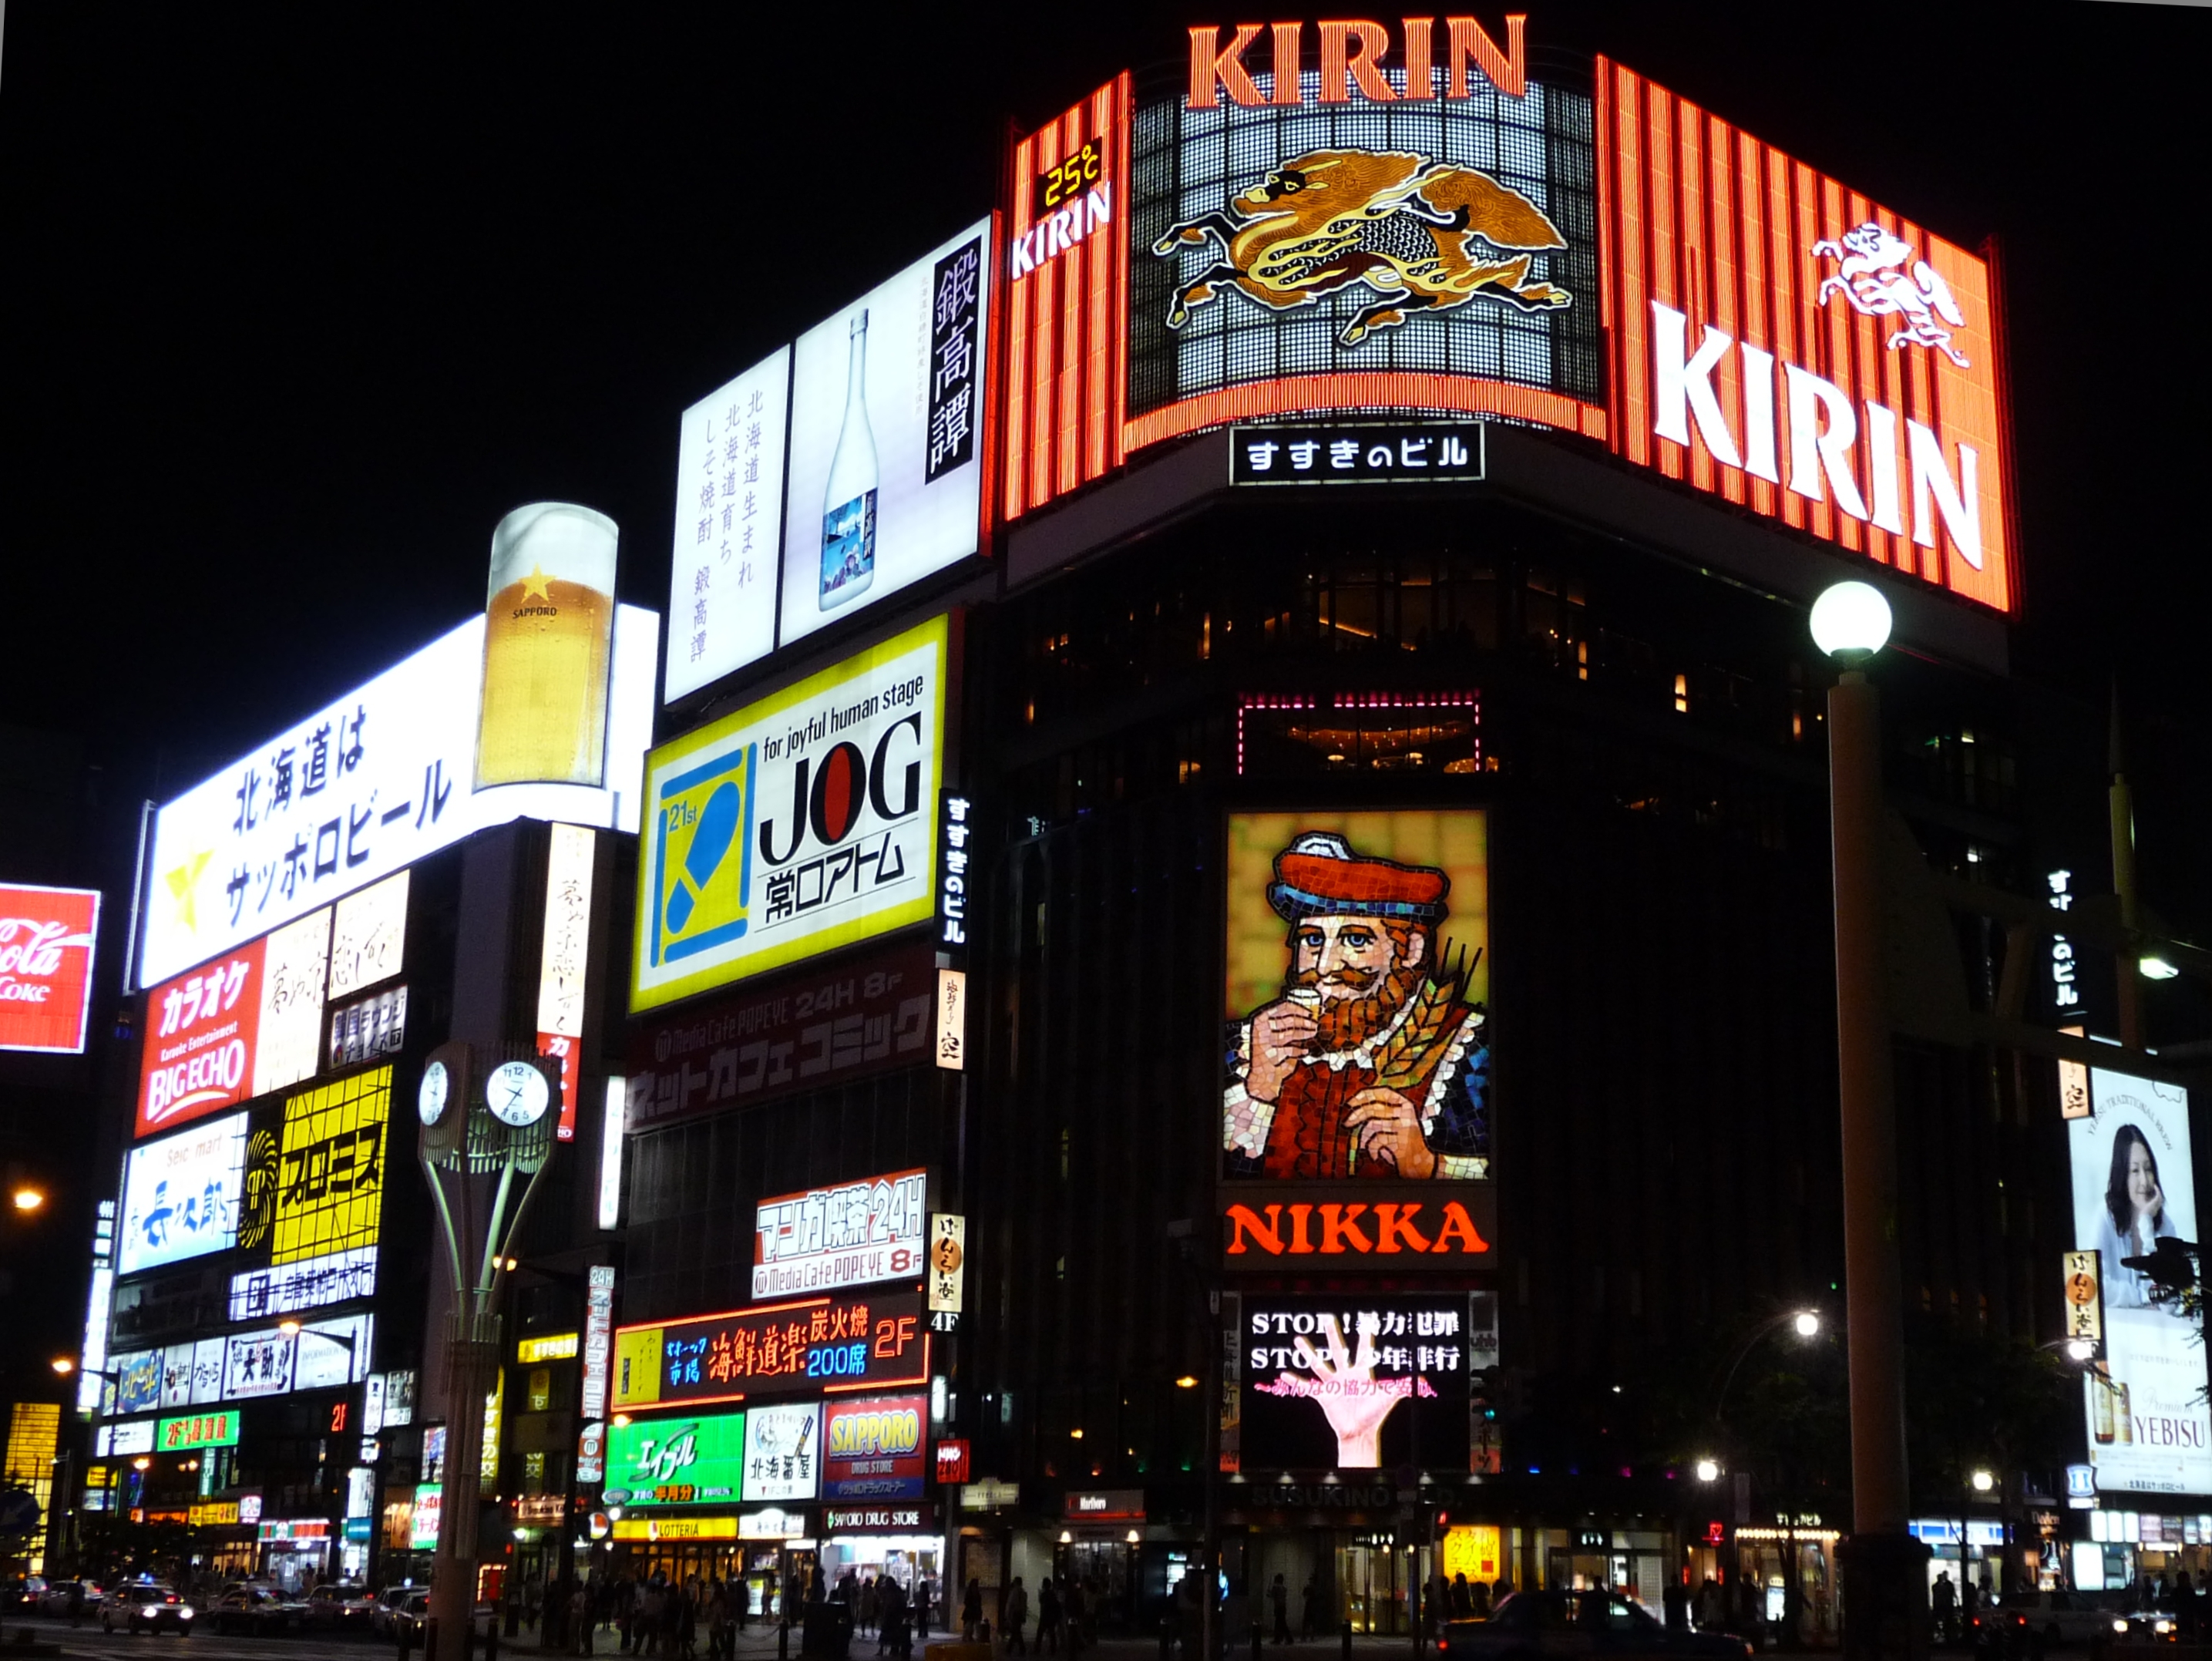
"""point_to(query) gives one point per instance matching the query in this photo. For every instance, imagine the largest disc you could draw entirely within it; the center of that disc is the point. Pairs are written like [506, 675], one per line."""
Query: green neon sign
[677, 1462]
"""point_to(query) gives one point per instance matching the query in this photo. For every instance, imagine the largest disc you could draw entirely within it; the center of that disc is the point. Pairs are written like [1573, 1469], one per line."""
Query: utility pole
[482, 1114]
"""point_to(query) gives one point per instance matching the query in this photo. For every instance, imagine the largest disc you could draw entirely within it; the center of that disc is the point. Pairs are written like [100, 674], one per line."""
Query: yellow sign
[214, 1513]
[1473, 1552]
[553, 1346]
[637, 1367]
[677, 1528]
[802, 823]
[2085, 1307]
[330, 1181]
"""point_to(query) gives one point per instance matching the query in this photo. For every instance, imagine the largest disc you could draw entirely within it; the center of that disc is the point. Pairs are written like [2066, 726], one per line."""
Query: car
[2130, 1627]
[340, 1608]
[147, 1606]
[414, 1614]
[2070, 1618]
[255, 1610]
[55, 1599]
[387, 1604]
[1528, 1624]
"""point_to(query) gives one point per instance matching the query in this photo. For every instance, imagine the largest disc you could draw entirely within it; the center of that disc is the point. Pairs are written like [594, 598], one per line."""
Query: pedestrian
[1943, 1601]
[1278, 1600]
[687, 1623]
[76, 1602]
[867, 1609]
[1074, 1605]
[971, 1610]
[1675, 1599]
[1017, 1616]
[1478, 1600]
[1048, 1617]
[1315, 1624]
[923, 1592]
[896, 1633]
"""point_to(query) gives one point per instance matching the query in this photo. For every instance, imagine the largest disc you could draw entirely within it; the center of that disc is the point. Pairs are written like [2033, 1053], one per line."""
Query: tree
[1979, 1400]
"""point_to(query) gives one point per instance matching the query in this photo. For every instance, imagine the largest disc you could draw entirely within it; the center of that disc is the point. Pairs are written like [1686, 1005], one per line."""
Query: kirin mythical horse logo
[1871, 274]
[1425, 236]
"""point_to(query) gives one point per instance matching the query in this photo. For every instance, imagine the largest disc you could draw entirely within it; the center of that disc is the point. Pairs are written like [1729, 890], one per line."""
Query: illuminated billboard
[1337, 1384]
[1358, 1044]
[783, 1451]
[181, 1195]
[47, 936]
[840, 1236]
[888, 436]
[729, 527]
[780, 1034]
[805, 821]
[247, 1023]
[698, 1460]
[2151, 1431]
[1786, 344]
[362, 789]
[1067, 300]
[330, 1187]
[1415, 234]
[369, 937]
[875, 1448]
[853, 1342]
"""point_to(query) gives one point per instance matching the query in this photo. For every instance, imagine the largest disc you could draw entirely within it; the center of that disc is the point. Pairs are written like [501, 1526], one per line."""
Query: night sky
[300, 299]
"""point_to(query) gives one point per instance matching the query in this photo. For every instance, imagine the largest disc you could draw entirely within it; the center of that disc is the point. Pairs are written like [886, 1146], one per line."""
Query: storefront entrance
[1371, 1574]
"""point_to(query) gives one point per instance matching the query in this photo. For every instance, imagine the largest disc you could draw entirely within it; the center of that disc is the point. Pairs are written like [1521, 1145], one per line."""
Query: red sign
[953, 1462]
[819, 1345]
[46, 939]
[1452, 1228]
[1067, 296]
[201, 1032]
[566, 1050]
[876, 1448]
[1782, 342]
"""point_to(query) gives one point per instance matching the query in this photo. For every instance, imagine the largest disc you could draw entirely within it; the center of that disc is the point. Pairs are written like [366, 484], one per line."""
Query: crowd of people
[1065, 1612]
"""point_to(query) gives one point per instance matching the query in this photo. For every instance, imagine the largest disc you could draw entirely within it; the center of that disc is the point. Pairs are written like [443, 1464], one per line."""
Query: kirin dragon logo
[1425, 236]
[1871, 273]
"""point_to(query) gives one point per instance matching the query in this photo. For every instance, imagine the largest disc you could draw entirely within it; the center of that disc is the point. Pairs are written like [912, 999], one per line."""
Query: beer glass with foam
[549, 632]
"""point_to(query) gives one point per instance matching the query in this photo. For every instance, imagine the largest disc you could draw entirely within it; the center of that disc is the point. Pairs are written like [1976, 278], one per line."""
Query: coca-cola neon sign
[46, 942]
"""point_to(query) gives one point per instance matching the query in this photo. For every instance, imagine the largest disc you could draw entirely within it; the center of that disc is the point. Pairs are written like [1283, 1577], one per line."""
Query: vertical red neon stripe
[1017, 340]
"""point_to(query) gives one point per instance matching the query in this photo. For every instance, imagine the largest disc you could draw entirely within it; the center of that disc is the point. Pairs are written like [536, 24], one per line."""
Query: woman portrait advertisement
[2134, 1218]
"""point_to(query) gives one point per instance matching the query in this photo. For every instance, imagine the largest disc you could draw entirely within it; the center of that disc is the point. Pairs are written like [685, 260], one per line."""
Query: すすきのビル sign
[849, 1342]
[1783, 343]
[805, 821]
[47, 936]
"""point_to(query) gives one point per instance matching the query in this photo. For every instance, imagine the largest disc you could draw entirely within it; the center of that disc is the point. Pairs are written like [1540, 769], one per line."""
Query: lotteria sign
[1783, 342]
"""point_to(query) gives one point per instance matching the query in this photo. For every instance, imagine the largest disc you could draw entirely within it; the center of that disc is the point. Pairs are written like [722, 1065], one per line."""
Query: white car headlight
[185, 1612]
[150, 1611]
[2119, 1626]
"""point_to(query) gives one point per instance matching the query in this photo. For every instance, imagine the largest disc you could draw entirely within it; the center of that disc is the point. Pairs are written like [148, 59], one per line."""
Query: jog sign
[46, 937]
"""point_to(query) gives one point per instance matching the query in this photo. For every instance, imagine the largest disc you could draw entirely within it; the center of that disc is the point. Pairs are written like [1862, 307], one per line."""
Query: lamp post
[482, 1116]
[1884, 1573]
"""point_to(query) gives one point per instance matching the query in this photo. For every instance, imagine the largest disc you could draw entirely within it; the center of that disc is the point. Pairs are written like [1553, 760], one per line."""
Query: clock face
[516, 1094]
[430, 1101]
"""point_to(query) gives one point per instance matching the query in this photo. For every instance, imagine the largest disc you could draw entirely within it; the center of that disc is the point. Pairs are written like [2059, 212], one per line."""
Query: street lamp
[28, 1199]
[1983, 1482]
[1808, 1323]
[1708, 1470]
[485, 1112]
[1885, 1579]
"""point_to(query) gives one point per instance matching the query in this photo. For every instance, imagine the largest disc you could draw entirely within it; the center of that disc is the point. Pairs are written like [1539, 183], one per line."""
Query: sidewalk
[759, 1643]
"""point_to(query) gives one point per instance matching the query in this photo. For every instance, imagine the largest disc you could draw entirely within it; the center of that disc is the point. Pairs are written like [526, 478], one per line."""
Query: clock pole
[480, 1115]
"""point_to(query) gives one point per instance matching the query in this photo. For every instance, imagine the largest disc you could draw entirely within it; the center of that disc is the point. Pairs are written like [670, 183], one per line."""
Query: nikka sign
[46, 939]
